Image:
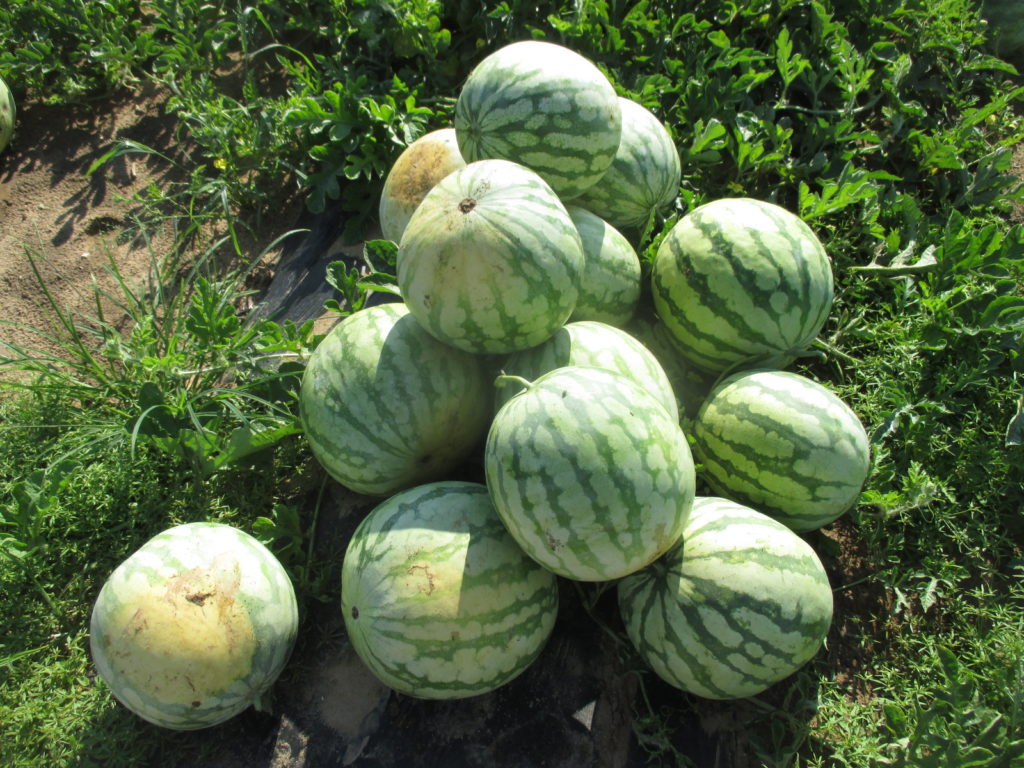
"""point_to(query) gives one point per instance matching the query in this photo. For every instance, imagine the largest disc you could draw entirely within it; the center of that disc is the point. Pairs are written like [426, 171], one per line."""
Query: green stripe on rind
[690, 384]
[784, 444]
[590, 344]
[741, 603]
[643, 177]
[385, 406]
[590, 473]
[610, 286]
[264, 594]
[742, 282]
[438, 600]
[491, 262]
[545, 107]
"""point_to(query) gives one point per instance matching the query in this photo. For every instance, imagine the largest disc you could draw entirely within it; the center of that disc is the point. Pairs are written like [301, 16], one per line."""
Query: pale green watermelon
[742, 283]
[438, 600]
[783, 444]
[543, 106]
[739, 604]
[643, 178]
[690, 384]
[385, 406]
[610, 286]
[590, 473]
[416, 171]
[195, 626]
[590, 344]
[490, 261]
[7, 114]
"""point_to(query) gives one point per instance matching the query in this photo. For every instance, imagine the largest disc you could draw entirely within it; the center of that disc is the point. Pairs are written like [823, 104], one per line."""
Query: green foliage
[889, 126]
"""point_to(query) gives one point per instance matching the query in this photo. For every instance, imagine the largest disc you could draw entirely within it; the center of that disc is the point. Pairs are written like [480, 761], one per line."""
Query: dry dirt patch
[71, 223]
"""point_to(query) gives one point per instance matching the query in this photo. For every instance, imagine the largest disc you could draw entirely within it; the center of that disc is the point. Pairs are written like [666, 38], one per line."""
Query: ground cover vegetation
[889, 127]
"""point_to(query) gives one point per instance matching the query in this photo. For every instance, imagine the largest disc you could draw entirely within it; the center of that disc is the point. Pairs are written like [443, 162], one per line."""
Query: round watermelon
[589, 344]
[742, 283]
[7, 113]
[590, 473]
[690, 385]
[1005, 20]
[195, 626]
[438, 600]
[610, 286]
[739, 604]
[385, 406]
[643, 178]
[420, 166]
[490, 261]
[543, 106]
[783, 444]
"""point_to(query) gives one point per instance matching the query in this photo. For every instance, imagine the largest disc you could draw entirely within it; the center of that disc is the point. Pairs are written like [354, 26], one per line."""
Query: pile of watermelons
[530, 339]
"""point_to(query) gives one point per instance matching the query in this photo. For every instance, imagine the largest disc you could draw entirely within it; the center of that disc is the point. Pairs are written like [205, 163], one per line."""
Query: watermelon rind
[590, 473]
[611, 282]
[385, 406]
[438, 600]
[645, 175]
[544, 106]
[7, 114]
[742, 283]
[739, 604]
[690, 384]
[195, 626]
[589, 344]
[490, 261]
[783, 444]
[417, 170]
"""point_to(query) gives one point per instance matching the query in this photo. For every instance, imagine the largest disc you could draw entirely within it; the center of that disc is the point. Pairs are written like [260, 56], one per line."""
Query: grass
[888, 126]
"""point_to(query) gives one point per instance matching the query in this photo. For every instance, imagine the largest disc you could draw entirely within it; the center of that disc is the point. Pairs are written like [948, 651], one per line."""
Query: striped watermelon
[543, 106]
[491, 262]
[742, 283]
[194, 626]
[783, 444]
[7, 112]
[610, 286]
[385, 406]
[420, 166]
[590, 473]
[438, 600]
[643, 178]
[741, 603]
[690, 385]
[590, 344]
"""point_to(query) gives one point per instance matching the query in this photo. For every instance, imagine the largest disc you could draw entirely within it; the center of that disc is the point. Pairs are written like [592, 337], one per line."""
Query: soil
[582, 703]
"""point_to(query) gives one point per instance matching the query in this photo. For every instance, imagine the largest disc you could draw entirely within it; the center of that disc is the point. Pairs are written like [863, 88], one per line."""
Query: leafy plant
[955, 729]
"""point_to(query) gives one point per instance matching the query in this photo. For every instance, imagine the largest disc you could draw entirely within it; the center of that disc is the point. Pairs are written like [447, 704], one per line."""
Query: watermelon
[1006, 27]
[7, 112]
[739, 604]
[643, 178]
[385, 406]
[543, 106]
[490, 261]
[610, 286]
[689, 384]
[589, 344]
[420, 166]
[742, 283]
[590, 473]
[784, 444]
[438, 600]
[195, 626]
